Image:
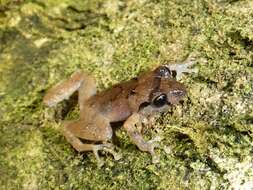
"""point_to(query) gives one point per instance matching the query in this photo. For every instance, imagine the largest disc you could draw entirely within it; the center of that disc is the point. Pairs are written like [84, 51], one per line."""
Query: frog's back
[113, 103]
[121, 100]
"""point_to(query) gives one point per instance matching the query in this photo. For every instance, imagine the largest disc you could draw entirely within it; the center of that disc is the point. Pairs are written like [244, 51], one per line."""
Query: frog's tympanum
[131, 101]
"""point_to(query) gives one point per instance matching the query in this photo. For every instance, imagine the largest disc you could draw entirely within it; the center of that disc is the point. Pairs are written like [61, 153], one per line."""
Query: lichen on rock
[207, 140]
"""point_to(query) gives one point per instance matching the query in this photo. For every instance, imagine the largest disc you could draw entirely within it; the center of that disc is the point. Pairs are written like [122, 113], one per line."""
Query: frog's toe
[155, 140]
[96, 148]
[152, 145]
[100, 163]
[116, 155]
[155, 159]
[107, 147]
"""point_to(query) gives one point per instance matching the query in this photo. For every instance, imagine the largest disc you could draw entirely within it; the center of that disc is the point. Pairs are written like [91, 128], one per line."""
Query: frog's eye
[164, 72]
[160, 100]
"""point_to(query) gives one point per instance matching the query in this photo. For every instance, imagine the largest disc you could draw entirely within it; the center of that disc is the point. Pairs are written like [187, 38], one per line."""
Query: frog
[130, 102]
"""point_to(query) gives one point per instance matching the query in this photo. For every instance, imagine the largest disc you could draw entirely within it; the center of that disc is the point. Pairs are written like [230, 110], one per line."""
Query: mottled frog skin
[131, 101]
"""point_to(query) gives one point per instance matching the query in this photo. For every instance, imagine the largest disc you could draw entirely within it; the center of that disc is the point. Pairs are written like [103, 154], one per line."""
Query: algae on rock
[207, 142]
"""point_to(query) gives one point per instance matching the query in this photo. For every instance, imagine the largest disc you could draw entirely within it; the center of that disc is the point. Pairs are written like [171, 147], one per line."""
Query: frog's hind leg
[74, 130]
[80, 81]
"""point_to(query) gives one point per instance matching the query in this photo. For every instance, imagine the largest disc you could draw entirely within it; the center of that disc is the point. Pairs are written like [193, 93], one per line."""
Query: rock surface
[207, 141]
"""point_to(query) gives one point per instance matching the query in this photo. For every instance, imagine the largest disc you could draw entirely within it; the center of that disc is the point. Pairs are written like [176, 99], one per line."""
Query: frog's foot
[147, 146]
[184, 67]
[151, 145]
[107, 147]
[116, 155]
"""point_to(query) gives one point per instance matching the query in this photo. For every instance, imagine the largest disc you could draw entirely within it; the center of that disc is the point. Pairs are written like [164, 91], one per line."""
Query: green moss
[207, 142]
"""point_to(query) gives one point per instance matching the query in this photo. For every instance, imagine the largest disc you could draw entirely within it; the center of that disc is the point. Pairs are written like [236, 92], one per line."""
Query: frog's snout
[177, 92]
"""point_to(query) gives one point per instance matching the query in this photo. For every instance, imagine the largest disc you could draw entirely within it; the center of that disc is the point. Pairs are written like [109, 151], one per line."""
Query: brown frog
[131, 101]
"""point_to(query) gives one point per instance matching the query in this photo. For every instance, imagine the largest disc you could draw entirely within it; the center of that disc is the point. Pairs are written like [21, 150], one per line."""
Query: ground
[206, 142]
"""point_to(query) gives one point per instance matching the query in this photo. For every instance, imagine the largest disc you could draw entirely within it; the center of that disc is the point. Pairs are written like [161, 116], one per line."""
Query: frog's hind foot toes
[116, 155]
[107, 147]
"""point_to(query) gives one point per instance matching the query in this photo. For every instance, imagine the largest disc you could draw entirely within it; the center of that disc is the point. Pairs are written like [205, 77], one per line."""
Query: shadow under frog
[131, 101]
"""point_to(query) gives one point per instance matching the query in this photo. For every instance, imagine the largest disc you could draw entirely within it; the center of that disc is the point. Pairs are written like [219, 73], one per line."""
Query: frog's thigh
[74, 140]
[86, 90]
[96, 131]
[78, 81]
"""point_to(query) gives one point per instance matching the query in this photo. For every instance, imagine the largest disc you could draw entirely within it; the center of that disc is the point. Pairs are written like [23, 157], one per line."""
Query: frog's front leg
[130, 126]
[184, 67]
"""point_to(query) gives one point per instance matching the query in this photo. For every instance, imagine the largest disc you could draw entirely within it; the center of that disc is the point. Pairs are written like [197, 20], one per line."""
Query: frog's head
[156, 91]
[166, 90]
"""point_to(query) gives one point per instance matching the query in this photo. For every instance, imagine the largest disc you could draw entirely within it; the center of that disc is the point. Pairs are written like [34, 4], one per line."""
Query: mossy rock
[206, 142]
